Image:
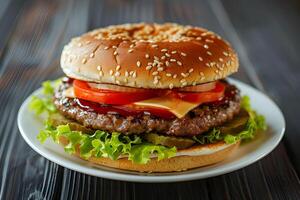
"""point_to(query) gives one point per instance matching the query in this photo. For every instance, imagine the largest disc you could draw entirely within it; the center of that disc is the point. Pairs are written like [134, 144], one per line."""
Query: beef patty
[197, 121]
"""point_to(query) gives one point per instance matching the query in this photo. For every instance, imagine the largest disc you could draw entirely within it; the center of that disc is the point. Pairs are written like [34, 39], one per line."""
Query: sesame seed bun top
[149, 56]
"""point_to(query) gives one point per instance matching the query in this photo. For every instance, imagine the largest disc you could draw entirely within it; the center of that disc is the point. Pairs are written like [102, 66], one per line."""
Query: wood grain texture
[33, 32]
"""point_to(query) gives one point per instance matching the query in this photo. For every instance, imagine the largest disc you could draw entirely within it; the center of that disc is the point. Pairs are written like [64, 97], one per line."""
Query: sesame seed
[154, 73]
[115, 53]
[221, 59]
[163, 57]
[117, 74]
[131, 46]
[171, 86]
[118, 67]
[184, 83]
[172, 60]
[154, 45]
[126, 74]
[201, 74]
[209, 41]
[205, 46]
[130, 50]
[182, 80]
[134, 75]
[138, 63]
[209, 53]
[167, 63]
[160, 69]
[179, 63]
[168, 74]
[114, 47]
[155, 81]
[183, 54]
[173, 52]
[92, 55]
[191, 70]
[199, 38]
[147, 56]
[175, 76]
[105, 48]
[185, 74]
[99, 68]
[200, 58]
[168, 55]
[164, 50]
[148, 67]
[156, 58]
[84, 60]
[111, 72]
[194, 83]
[225, 53]
[207, 64]
[100, 73]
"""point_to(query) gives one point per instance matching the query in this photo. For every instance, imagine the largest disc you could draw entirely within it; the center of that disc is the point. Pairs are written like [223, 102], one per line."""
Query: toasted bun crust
[193, 157]
[149, 56]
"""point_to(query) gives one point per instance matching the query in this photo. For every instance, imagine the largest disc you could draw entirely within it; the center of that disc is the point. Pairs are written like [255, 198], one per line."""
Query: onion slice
[116, 88]
[199, 88]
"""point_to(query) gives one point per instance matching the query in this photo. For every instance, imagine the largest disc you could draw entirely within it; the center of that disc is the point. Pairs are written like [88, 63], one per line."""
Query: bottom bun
[196, 156]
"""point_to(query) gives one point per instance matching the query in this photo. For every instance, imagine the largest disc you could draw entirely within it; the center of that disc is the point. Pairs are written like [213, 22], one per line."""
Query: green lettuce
[104, 144]
[255, 123]
[44, 104]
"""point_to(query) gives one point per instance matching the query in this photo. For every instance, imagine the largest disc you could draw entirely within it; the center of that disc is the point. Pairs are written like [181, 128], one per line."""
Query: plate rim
[143, 177]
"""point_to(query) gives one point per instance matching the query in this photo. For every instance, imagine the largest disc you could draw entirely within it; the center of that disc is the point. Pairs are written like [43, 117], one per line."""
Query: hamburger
[148, 98]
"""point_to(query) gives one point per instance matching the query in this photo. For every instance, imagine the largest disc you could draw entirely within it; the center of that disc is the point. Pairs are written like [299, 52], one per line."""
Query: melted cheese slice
[176, 106]
[69, 93]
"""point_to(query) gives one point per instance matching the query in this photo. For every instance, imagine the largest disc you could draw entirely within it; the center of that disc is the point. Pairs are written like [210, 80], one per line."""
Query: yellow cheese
[176, 106]
[69, 93]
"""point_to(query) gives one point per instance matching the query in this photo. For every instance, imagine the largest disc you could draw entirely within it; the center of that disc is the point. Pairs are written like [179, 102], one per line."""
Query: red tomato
[204, 97]
[83, 91]
[121, 102]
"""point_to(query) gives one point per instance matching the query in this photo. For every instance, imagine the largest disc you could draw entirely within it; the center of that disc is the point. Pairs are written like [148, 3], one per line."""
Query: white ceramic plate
[248, 153]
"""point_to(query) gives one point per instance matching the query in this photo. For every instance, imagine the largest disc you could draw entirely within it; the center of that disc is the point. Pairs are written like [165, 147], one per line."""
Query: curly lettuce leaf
[142, 153]
[44, 104]
[255, 123]
[103, 144]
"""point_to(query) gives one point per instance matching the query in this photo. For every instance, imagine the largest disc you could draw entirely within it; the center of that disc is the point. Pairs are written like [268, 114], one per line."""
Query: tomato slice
[203, 97]
[109, 101]
[83, 91]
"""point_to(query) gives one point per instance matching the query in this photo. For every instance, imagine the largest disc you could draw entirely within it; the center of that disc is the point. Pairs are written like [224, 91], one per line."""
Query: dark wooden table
[264, 33]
